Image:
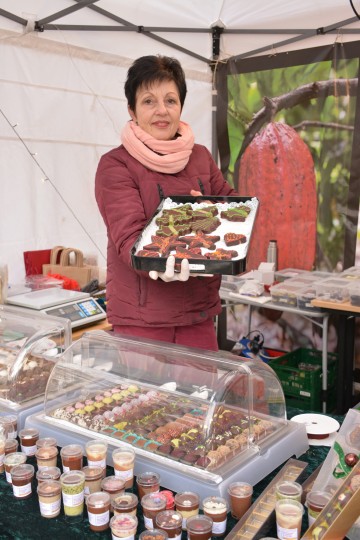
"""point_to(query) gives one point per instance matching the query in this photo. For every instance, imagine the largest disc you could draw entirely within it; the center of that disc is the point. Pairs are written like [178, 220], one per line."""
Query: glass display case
[30, 344]
[198, 418]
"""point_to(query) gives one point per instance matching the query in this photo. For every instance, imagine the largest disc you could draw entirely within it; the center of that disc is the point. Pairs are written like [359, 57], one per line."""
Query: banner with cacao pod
[288, 132]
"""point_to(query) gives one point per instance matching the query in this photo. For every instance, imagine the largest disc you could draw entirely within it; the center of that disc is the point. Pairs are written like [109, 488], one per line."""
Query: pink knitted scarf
[161, 156]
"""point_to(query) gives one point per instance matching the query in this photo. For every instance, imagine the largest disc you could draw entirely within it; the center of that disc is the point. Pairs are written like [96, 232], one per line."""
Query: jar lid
[125, 501]
[153, 534]
[96, 442]
[99, 499]
[46, 441]
[154, 501]
[29, 433]
[25, 470]
[199, 523]
[93, 473]
[112, 483]
[215, 504]
[46, 452]
[148, 478]
[123, 522]
[71, 450]
[72, 477]
[48, 473]
[49, 488]
[187, 498]
[15, 458]
[168, 519]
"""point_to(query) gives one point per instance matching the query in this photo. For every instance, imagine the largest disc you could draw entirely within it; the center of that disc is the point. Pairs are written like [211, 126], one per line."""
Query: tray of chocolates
[213, 233]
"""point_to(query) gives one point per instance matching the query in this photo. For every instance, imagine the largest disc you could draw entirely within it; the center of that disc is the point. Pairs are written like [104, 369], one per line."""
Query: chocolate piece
[233, 239]
[206, 225]
[171, 229]
[200, 239]
[222, 254]
[235, 214]
[147, 253]
[205, 212]
[184, 253]
[164, 245]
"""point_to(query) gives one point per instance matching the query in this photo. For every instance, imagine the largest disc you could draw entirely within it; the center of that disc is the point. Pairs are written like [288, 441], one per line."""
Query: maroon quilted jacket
[128, 194]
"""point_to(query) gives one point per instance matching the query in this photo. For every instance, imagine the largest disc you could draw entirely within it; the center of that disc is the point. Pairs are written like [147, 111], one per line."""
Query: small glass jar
[98, 507]
[28, 438]
[46, 441]
[123, 526]
[48, 473]
[170, 521]
[72, 457]
[125, 503]
[148, 482]
[187, 503]
[12, 460]
[113, 485]
[152, 504]
[96, 451]
[216, 508]
[21, 479]
[11, 445]
[49, 493]
[46, 456]
[93, 477]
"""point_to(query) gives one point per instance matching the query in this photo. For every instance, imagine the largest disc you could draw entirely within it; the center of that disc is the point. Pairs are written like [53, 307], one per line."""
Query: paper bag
[76, 271]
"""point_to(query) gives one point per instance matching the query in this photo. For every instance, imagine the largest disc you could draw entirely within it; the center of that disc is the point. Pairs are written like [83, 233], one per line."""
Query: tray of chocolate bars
[213, 233]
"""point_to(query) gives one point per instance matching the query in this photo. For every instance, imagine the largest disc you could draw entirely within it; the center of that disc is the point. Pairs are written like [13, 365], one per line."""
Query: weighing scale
[78, 307]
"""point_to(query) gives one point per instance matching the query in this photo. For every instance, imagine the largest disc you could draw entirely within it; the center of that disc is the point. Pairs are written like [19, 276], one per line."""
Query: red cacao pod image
[278, 168]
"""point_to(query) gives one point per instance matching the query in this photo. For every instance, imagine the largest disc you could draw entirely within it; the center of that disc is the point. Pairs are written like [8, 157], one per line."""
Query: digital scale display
[80, 312]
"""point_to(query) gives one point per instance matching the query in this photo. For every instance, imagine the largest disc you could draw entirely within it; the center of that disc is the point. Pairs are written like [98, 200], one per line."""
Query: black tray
[198, 266]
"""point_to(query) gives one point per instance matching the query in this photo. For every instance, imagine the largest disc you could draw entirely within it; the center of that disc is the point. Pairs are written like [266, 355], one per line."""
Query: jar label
[29, 450]
[285, 534]
[99, 463]
[66, 469]
[177, 537]
[2, 459]
[123, 537]
[125, 475]
[148, 522]
[73, 500]
[12, 435]
[51, 508]
[99, 519]
[86, 490]
[219, 527]
[8, 477]
[22, 491]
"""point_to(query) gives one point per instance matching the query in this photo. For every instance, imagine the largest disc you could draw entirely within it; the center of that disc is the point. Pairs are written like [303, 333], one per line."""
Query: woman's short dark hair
[149, 69]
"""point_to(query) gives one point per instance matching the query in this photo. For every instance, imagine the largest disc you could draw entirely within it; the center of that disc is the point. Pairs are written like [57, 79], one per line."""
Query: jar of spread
[125, 503]
[46, 456]
[124, 459]
[11, 445]
[315, 502]
[21, 479]
[48, 473]
[28, 438]
[93, 477]
[113, 485]
[72, 457]
[148, 482]
[155, 534]
[199, 527]
[72, 487]
[170, 521]
[10, 461]
[98, 507]
[46, 441]
[49, 493]
[123, 526]
[96, 453]
[152, 504]
[288, 490]
[9, 425]
[187, 503]
[216, 508]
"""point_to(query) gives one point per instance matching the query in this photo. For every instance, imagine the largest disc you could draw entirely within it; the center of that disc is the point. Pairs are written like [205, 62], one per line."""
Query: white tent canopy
[63, 66]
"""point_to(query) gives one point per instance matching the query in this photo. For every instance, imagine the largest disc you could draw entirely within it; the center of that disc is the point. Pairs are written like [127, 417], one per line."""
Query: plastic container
[11, 445]
[114, 485]
[2, 452]
[148, 482]
[72, 457]
[21, 479]
[72, 487]
[93, 479]
[315, 502]
[98, 507]
[123, 459]
[125, 503]
[187, 503]
[10, 422]
[240, 494]
[169, 521]
[12, 460]
[46, 456]
[300, 373]
[28, 438]
[285, 294]
[152, 504]
[354, 292]
[46, 441]
[288, 273]
[216, 508]
[199, 527]
[288, 519]
[288, 490]
[333, 290]
[96, 453]
[123, 526]
[49, 493]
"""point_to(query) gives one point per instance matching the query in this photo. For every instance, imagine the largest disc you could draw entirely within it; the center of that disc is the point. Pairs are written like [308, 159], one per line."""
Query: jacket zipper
[201, 186]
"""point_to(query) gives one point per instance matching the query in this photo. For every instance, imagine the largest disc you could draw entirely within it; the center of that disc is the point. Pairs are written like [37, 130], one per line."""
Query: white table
[316, 316]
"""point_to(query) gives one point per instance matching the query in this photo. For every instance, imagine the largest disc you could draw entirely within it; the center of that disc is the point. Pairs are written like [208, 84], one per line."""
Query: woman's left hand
[170, 274]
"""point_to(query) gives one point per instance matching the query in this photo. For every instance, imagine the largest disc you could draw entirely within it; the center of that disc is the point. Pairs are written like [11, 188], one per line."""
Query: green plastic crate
[300, 373]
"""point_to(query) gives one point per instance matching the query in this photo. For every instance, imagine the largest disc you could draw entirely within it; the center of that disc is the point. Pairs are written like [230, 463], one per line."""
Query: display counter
[198, 417]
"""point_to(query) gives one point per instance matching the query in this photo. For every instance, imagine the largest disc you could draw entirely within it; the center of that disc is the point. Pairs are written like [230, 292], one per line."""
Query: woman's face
[157, 110]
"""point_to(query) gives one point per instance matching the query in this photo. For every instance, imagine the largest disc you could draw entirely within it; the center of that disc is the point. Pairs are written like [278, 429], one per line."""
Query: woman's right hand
[170, 274]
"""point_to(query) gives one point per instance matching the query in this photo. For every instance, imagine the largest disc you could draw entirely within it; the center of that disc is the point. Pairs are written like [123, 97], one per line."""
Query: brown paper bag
[76, 271]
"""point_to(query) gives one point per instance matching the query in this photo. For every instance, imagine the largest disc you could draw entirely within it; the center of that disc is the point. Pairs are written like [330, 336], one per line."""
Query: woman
[157, 158]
